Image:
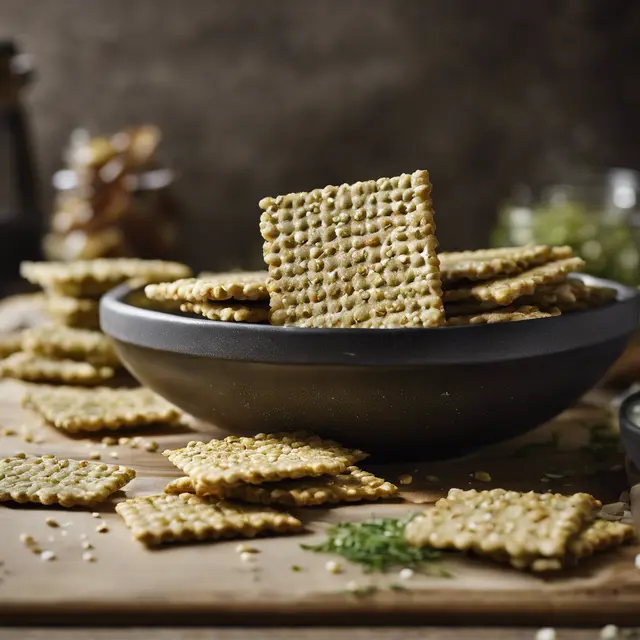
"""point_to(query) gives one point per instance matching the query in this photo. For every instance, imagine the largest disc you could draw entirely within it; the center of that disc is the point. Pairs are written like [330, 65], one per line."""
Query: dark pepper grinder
[21, 221]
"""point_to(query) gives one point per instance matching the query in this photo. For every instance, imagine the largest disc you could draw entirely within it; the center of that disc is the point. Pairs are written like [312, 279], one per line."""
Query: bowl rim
[264, 343]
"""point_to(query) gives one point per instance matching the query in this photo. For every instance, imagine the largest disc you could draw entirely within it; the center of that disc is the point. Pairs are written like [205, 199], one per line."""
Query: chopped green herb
[378, 546]
[295, 567]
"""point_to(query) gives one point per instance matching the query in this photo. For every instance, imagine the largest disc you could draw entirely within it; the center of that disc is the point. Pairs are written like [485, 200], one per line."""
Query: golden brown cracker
[161, 519]
[10, 344]
[571, 295]
[81, 313]
[360, 255]
[505, 314]
[600, 536]
[49, 480]
[227, 312]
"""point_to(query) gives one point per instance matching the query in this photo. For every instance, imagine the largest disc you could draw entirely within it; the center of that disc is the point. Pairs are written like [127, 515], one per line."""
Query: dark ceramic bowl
[417, 393]
[630, 426]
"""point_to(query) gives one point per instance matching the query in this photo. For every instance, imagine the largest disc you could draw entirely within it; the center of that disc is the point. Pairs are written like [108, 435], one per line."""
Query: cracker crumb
[609, 632]
[95, 514]
[94, 455]
[405, 478]
[102, 528]
[87, 556]
[9, 432]
[482, 476]
[27, 437]
[333, 567]
[245, 548]
[47, 556]
[113, 454]
[546, 633]
[87, 545]
[124, 441]
[52, 522]
[405, 574]
[108, 441]
[27, 540]
[151, 446]
[246, 556]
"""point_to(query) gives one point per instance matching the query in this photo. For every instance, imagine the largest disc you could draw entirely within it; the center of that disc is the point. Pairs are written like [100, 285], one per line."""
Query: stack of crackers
[364, 255]
[531, 531]
[71, 349]
[234, 486]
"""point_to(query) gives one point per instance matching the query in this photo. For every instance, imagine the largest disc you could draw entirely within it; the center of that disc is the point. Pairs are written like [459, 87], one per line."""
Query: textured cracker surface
[9, 344]
[218, 464]
[82, 313]
[88, 278]
[354, 485]
[76, 410]
[360, 255]
[49, 480]
[504, 291]
[36, 368]
[521, 528]
[505, 314]
[241, 285]
[572, 295]
[163, 518]
[226, 312]
[600, 536]
[491, 263]
[67, 343]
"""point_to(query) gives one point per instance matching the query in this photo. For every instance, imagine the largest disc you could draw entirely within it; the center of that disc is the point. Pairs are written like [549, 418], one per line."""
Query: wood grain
[207, 583]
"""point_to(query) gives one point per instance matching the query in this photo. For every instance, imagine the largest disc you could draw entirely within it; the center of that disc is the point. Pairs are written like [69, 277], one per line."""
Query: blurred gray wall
[259, 97]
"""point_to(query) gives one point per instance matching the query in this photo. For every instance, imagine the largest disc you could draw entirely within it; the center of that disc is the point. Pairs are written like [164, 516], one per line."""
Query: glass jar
[596, 214]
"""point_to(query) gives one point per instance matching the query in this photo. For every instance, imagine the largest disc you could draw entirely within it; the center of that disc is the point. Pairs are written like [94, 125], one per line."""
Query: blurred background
[500, 100]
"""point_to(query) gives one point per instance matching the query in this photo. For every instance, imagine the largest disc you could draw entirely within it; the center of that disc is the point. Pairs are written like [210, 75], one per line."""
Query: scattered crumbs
[243, 547]
[482, 476]
[86, 545]
[637, 561]
[433, 479]
[108, 441]
[95, 514]
[47, 556]
[87, 556]
[246, 556]
[124, 441]
[405, 574]
[405, 478]
[609, 632]
[113, 454]
[52, 522]
[151, 446]
[333, 567]
[546, 633]
[296, 567]
[94, 455]
[102, 528]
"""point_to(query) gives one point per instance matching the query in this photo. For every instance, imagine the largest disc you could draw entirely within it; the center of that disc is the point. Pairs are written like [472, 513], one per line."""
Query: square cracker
[238, 285]
[219, 464]
[49, 480]
[159, 519]
[75, 410]
[34, 368]
[63, 343]
[504, 291]
[522, 528]
[354, 485]
[505, 314]
[227, 312]
[360, 255]
[571, 295]
[82, 313]
[491, 263]
[90, 278]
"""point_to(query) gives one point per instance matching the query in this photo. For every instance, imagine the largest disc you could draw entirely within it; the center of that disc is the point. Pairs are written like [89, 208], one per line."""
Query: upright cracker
[9, 344]
[354, 485]
[81, 313]
[241, 285]
[504, 291]
[219, 464]
[571, 295]
[160, 519]
[506, 314]
[491, 263]
[227, 312]
[34, 368]
[522, 528]
[75, 410]
[360, 255]
[90, 278]
[66, 343]
[69, 483]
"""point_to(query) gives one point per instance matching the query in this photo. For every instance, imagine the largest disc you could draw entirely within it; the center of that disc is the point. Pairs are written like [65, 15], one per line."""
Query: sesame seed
[333, 567]
[405, 478]
[482, 476]
[94, 455]
[609, 632]
[405, 574]
[547, 633]
[102, 528]
[245, 556]
[52, 522]
[151, 446]
[87, 545]
[87, 556]
[47, 556]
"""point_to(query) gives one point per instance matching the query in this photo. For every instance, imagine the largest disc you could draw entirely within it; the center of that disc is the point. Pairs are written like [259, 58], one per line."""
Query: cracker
[67, 343]
[75, 410]
[159, 519]
[241, 285]
[227, 312]
[600, 536]
[572, 295]
[505, 314]
[91, 278]
[491, 263]
[69, 483]
[34, 368]
[354, 485]
[504, 291]
[9, 344]
[522, 528]
[360, 255]
[82, 313]
[219, 464]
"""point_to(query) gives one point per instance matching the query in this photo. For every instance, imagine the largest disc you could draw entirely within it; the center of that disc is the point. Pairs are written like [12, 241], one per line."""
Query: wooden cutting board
[207, 583]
